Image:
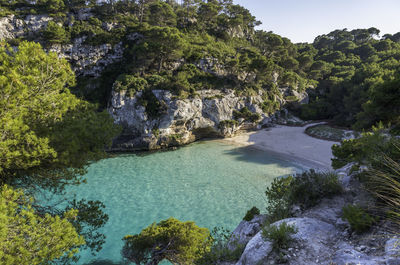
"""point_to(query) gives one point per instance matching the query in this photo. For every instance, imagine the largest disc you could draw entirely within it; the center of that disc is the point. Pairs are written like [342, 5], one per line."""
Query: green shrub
[227, 123]
[359, 220]
[55, 34]
[310, 187]
[175, 137]
[130, 83]
[251, 213]
[291, 98]
[170, 240]
[305, 190]
[270, 106]
[246, 114]
[281, 235]
[364, 150]
[220, 251]
[278, 207]
[155, 80]
[156, 131]
[154, 107]
[384, 184]
[326, 132]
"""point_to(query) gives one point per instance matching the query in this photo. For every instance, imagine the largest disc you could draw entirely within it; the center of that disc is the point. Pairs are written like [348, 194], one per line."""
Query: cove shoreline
[289, 143]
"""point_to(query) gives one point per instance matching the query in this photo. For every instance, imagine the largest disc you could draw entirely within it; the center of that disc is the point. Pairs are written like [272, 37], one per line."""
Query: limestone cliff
[210, 113]
[86, 60]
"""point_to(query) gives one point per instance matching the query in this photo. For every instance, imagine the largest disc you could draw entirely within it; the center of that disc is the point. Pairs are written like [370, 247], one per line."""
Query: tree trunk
[160, 64]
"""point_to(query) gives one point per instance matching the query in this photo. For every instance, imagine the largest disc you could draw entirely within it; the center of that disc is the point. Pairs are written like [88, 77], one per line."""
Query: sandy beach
[290, 142]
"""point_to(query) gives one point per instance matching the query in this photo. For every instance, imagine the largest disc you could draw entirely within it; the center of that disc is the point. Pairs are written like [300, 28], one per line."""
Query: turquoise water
[211, 183]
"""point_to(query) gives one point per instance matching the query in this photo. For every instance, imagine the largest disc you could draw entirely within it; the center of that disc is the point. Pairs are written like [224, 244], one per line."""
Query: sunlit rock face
[208, 114]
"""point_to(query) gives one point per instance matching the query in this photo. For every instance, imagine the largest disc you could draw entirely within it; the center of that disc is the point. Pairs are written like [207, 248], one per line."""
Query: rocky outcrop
[12, 27]
[245, 231]
[313, 237]
[207, 114]
[322, 236]
[86, 60]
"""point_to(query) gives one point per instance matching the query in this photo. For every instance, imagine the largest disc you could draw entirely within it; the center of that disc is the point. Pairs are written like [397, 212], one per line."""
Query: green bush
[278, 207]
[220, 251]
[251, 213]
[154, 107]
[156, 131]
[310, 187]
[364, 150]
[281, 235]
[384, 184]
[170, 240]
[227, 123]
[130, 83]
[55, 34]
[175, 137]
[305, 190]
[359, 220]
[326, 132]
[246, 114]
[270, 106]
[291, 98]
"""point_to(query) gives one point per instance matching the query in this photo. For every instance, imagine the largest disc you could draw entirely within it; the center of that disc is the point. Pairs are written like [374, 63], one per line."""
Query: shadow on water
[253, 155]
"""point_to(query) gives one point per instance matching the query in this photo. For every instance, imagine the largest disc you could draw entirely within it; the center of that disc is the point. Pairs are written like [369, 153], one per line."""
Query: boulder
[313, 241]
[245, 231]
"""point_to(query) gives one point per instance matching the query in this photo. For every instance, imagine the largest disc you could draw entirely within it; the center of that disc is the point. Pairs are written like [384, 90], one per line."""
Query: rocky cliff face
[208, 114]
[12, 27]
[86, 60]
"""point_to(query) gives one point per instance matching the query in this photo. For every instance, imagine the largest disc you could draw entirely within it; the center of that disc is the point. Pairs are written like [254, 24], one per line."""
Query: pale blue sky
[303, 20]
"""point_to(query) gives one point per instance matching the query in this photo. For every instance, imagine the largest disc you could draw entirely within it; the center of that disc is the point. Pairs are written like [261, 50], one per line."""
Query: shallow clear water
[211, 183]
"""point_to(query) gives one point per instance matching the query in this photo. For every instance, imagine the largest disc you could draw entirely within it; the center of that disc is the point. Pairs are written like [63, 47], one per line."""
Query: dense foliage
[27, 237]
[360, 221]
[357, 74]
[224, 248]
[172, 240]
[48, 137]
[280, 235]
[182, 47]
[303, 190]
[384, 184]
[251, 213]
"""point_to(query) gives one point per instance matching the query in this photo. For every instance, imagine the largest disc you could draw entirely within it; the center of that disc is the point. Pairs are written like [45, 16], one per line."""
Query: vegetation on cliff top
[214, 44]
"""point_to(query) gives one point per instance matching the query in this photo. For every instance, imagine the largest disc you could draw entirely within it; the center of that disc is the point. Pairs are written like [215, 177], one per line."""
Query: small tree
[55, 33]
[172, 240]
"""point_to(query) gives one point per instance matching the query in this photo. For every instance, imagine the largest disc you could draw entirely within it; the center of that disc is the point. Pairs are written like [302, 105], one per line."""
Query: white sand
[291, 142]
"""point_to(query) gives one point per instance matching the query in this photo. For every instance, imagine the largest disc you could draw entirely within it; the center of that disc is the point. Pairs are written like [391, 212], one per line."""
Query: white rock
[190, 118]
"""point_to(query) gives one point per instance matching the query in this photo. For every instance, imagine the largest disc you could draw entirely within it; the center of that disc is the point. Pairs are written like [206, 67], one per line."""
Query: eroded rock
[208, 114]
